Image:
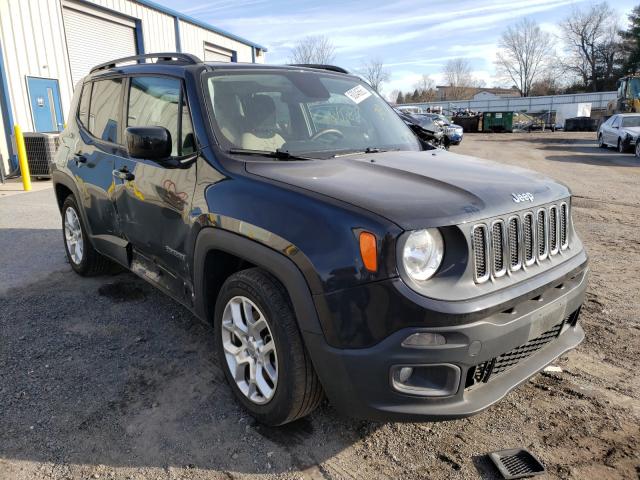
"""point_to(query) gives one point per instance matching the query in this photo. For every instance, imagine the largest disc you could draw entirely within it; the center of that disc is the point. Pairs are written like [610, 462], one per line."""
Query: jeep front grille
[519, 241]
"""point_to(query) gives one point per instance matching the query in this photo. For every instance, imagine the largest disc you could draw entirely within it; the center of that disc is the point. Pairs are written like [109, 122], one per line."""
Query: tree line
[590, 52]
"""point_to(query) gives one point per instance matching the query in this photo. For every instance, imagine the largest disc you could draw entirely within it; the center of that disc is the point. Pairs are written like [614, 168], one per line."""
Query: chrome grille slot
[542, 233]
[529, 239]
[514, 239]
[564, 216]
[480, 252]
[553, 230]
[498, 248]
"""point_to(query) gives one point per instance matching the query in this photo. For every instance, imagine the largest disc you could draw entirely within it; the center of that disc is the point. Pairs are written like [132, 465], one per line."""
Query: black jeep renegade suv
[334, 254]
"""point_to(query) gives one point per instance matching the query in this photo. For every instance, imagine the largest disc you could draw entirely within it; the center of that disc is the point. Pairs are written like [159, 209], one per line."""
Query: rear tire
[601, 143]
[83, 258]
[285, 385]
[638, 148]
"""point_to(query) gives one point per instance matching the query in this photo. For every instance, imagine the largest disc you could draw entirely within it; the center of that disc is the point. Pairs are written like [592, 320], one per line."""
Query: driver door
[152, 197]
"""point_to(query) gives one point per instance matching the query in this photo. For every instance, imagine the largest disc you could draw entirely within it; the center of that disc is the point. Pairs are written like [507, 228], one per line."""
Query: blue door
[44, 96]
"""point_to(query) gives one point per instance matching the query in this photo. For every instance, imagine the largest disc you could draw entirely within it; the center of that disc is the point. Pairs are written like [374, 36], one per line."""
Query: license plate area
[547, 317]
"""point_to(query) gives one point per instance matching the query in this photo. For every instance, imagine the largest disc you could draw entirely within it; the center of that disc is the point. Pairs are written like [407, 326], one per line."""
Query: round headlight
[422, 254]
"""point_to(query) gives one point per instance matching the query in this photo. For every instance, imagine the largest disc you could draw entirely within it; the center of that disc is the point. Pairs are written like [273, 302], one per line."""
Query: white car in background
[620, 131]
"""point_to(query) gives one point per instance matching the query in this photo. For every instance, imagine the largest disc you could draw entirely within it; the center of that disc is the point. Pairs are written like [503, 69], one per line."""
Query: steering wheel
[329, 131]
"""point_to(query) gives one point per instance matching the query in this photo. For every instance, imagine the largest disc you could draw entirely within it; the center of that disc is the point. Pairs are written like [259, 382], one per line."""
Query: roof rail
[162, 57]
[331, 68]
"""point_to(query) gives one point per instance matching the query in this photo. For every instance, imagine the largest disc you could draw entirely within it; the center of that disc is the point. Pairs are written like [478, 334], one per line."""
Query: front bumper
[358, 381]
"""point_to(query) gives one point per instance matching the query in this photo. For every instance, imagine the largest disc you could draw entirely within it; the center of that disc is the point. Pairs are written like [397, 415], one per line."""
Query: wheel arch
[231, 247]
[63, 186]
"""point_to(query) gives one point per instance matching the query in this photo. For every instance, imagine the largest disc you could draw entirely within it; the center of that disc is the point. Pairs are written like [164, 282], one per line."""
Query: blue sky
[411, 37]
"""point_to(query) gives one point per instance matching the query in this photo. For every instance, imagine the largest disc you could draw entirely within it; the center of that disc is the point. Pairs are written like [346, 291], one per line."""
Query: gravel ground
[107, 378]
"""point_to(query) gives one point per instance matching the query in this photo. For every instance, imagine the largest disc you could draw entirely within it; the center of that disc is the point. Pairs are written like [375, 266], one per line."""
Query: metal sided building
[47, 46]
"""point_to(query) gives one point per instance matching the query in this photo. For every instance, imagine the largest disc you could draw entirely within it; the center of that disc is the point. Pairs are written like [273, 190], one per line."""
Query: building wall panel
[34, 44]
[194, 37]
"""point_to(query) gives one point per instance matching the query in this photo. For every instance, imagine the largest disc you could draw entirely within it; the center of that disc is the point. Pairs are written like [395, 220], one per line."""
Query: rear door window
[159, 102]
[104, 110]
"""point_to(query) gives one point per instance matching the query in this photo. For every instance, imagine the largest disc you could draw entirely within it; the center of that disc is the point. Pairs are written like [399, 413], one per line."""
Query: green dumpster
[497, 122]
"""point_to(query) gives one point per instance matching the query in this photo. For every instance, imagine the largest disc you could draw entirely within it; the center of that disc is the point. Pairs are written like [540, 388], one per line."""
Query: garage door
[94, 39]
[213, 53]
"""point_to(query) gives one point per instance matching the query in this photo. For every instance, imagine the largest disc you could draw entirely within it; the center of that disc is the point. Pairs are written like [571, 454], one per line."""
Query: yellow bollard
[22, 159]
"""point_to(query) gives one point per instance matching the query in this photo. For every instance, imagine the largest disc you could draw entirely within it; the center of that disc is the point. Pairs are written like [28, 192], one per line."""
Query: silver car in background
[620, 131]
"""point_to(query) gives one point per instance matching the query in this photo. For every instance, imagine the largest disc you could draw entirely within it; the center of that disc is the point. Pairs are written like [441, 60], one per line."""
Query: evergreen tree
[400, 98]
[416, 96]
[631, 42]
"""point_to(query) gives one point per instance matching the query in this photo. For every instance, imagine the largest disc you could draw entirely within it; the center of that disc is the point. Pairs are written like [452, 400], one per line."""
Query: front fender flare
[278, 265]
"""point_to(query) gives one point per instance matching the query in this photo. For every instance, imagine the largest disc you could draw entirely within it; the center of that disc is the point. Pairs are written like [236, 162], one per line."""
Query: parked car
[453, 133]
[620, 131]
[424, 128]
[294, 210]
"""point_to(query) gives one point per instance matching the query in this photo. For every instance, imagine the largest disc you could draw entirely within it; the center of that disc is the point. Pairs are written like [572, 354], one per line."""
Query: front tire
[621, 146]
[261, 351]
[83, 258]
[638, 148]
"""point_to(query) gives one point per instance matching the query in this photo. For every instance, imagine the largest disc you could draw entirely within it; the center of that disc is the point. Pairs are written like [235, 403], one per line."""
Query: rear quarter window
[83, 107]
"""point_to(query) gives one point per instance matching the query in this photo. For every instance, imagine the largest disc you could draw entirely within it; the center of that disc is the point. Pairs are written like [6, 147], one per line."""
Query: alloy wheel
[73, 235]
[249, 350]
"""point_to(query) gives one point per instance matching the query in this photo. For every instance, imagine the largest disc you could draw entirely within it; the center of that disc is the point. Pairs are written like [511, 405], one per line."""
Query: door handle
[124, 174]
[80, 159]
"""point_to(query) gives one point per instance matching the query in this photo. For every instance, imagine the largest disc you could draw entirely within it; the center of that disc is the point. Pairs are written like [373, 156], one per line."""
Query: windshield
[631, 121]
[302, 113]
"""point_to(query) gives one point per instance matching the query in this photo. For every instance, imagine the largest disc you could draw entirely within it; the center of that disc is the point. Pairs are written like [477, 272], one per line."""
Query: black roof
[170, 61]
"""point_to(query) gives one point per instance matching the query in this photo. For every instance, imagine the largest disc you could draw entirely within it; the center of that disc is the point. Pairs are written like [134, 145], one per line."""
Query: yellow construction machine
[628, 100]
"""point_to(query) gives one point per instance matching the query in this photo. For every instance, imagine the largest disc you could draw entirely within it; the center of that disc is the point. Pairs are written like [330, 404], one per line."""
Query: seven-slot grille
[499, 247]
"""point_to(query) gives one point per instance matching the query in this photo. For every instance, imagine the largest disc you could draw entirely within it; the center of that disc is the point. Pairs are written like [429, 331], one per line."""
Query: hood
[418, 189]
[635, 131]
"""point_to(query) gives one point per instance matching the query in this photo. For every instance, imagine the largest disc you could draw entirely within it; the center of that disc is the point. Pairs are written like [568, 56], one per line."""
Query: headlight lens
[422, 254]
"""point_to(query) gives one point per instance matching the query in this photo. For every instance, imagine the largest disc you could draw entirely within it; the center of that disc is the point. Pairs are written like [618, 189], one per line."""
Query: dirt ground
[107, 378]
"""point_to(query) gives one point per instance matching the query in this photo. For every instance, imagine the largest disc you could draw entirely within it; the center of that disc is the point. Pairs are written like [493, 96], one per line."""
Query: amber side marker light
[369, 251]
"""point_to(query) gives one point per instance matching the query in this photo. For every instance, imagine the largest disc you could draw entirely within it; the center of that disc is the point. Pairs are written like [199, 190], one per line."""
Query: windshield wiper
[366, 150]
[277, 154]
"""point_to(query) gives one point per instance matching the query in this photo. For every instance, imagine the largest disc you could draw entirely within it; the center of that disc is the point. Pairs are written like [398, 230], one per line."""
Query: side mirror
[151, 143]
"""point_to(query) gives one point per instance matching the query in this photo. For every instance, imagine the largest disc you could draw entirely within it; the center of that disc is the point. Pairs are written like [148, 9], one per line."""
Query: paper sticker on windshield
[357, 94]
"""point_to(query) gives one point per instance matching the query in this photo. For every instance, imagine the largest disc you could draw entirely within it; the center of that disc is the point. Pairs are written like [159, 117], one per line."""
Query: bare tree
[373, 72]
[524, 51]
[313, 49]
[426, 88]
[592, 42]
[459, 79]
[393, 96]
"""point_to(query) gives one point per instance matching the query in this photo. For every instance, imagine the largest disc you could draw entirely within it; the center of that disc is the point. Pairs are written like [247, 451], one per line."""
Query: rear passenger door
[153, 203]
[98, 146]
